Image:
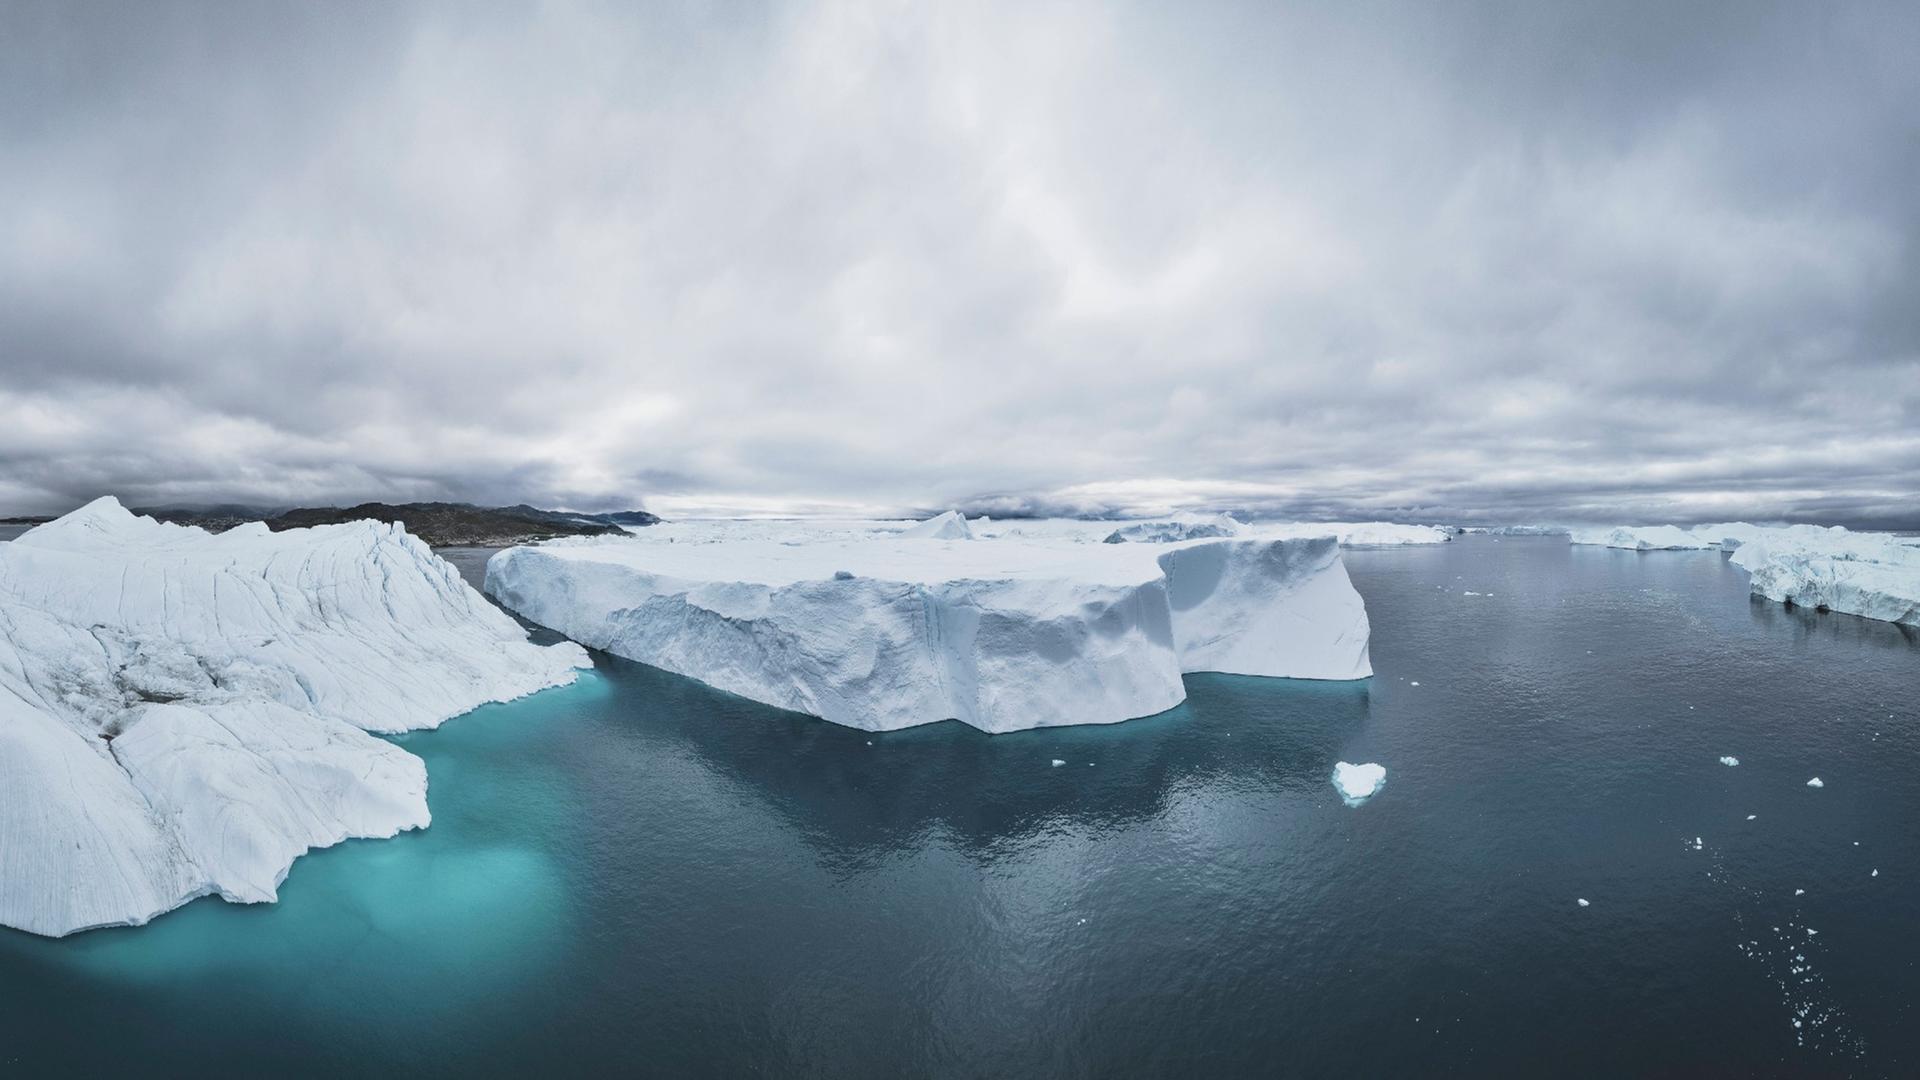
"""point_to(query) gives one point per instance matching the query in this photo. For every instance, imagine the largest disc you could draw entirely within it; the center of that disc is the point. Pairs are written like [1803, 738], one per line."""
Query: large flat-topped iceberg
[1358, 533]
[1867, 574]
[184, 713]
[1067, 530]
[1874, 575]
[1177, 528]
[885, 633]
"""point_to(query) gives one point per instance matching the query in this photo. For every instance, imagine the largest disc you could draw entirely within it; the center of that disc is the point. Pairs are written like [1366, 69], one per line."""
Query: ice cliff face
[887, 633]
[184, 713]
[1871, 575]
[1874, 575]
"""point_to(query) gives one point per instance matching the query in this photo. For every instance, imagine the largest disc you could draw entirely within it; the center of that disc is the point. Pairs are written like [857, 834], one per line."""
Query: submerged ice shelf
[883, 632]
[183, 713]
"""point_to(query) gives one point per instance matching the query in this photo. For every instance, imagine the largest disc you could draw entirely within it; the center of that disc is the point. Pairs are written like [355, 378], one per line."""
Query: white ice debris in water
[1000, 633]
[1816, 782]
[183, 713]
[1788, 960]
[1728, 760]
[1876, 873]
[1799, 892]
[1415, 682]
[1057, 763]
[1750, 817]
[1358, 783]
[1583, 901]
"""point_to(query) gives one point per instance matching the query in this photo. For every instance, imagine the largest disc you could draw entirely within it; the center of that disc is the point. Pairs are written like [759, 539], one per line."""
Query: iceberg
[1367, 533]
[184, 714]
[885, 633]
[948, 526]
[1519, 530]
[1867, 574]
[1873, 575]
[1358, 783]
[1177, 528]
[1729, 760]
[1642, 538]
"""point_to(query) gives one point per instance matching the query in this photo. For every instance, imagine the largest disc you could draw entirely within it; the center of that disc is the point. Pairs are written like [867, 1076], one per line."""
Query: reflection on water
[640, 874]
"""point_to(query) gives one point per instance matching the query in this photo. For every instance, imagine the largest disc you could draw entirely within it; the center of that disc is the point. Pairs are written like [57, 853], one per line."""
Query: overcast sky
[1640, 262]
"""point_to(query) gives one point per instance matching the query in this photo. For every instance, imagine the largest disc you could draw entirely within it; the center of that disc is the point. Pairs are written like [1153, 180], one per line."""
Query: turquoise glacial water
[637, 874]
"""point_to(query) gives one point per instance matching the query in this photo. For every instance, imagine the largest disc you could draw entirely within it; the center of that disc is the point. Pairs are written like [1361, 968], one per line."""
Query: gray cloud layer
[1499, 261]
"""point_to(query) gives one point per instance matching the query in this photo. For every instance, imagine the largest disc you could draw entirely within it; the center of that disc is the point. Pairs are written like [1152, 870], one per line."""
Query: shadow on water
[857, 797]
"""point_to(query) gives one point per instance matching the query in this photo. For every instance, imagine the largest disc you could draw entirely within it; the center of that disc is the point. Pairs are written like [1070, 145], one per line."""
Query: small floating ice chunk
[1726, 759]
[1583, 901]
[1799, 892]
[1750, 817]
[1415, 682]
[1358, 783]
[1815, 782]
[1876, 872]
[1057, 763]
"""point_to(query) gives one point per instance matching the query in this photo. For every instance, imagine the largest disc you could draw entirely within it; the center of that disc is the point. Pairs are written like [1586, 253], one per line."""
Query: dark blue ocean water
[640, 875]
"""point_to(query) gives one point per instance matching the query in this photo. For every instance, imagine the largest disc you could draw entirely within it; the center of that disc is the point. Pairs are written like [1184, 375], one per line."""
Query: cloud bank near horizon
[1488, 263]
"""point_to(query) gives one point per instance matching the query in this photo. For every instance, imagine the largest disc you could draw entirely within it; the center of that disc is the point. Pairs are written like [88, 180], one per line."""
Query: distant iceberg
[1642, 538]
[183, 713]
[1519, 530]
[1873, 575]
[1179, 527]
[1357, 533]
[1003, 634]
[948, 526]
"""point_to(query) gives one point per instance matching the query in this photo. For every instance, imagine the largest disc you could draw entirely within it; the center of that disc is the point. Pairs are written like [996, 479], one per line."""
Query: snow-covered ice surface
[1358, 533]
[1011, 630]
[1358, 783]
[1177, 528]
[1064, 530]
[183, 713]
